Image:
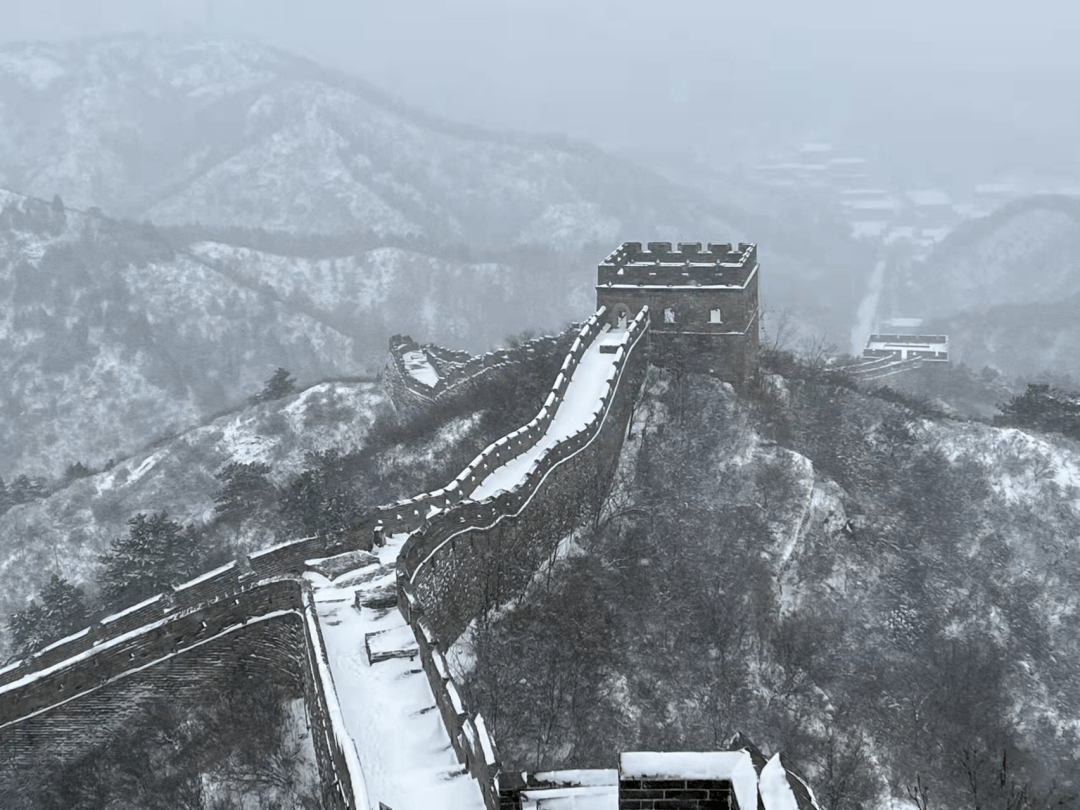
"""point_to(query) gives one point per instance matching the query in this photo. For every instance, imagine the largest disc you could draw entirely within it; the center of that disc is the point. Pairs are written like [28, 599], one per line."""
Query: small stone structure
[704, 303]
[740, 777]
[930, 348]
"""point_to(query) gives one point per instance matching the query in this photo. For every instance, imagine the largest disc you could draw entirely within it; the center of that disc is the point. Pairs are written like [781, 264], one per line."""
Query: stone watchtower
[703, 304]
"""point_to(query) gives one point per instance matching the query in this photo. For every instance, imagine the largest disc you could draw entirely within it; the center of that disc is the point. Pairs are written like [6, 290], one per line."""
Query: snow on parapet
[511, 447]
[410, 514]
[137, 606]
[346, 749]
[773, 785]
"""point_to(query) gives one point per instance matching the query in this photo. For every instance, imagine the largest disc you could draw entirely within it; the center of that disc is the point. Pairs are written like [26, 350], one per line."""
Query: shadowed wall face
[704, 303]
[265, 652]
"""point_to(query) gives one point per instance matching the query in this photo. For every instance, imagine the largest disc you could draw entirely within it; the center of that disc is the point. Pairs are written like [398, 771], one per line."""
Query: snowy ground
[578, 406]
[417, 364]
[388, 707]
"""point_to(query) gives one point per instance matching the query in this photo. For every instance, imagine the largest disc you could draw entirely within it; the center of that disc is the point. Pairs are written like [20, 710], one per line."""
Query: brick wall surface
[677, 794]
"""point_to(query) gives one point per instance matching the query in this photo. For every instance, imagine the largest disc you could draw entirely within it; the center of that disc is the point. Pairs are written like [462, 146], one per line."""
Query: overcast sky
[583, 66]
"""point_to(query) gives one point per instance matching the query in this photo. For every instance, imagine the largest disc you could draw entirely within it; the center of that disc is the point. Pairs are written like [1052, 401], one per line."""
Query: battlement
[718, 265]
[704, 302]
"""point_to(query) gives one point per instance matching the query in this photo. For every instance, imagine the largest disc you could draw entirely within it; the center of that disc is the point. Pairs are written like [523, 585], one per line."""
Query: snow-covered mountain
[110, 338]
[887, 592]
[235, 133]
[1006, 288]
[1027, 252]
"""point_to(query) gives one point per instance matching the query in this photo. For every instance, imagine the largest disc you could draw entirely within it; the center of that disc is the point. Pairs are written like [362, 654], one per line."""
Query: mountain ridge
[172, 113]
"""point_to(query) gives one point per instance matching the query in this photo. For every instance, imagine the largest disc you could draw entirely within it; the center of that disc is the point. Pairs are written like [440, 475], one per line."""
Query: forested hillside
[882, 593]
[292, 464]
[110, 338]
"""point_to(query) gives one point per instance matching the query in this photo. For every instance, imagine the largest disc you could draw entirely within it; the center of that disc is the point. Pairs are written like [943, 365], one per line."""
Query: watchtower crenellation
[703, 302]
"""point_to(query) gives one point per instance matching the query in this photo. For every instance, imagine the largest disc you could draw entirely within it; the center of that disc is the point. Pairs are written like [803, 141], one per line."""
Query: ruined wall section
[458, 371]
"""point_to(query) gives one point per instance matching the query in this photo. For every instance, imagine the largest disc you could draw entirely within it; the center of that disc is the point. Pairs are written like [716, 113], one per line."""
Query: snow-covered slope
[1006, 288]
[109, 338]
[231, 132]
[831, 572]
[1027, 252]
[68, 530]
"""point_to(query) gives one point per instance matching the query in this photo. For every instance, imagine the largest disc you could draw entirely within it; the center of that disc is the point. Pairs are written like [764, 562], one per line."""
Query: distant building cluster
[875, 208]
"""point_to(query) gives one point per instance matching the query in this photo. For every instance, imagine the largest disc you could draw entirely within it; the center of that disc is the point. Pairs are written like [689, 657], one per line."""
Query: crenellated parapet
[448, 565]
[186, 633]
[704, 302]
[687, 265]
[410, 514]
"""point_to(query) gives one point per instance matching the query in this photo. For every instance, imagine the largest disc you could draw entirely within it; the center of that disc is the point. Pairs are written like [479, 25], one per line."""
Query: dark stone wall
[269, 627]
[474, 555]
[729, 350]
[265, 650]
[677, 794]
[480, 553]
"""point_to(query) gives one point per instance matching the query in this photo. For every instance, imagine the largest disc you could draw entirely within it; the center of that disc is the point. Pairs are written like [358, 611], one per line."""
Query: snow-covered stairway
[388, 707]
[582, 398]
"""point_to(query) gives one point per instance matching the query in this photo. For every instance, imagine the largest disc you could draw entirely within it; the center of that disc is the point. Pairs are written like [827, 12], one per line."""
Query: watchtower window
[714, 316]
[669, 315]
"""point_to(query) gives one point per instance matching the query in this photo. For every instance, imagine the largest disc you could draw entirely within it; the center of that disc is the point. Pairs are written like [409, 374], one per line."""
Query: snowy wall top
[718, 265]
[732, 766]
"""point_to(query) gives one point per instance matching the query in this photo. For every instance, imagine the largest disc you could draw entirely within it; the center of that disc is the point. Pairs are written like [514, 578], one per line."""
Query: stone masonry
[704, 303]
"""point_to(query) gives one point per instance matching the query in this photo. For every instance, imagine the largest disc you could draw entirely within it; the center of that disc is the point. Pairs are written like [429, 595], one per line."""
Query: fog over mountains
[302, 206]
[234, 133]
[877, 574]
[1006, 288]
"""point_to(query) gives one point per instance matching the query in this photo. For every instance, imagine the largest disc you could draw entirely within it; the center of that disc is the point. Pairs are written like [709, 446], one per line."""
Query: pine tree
[1041, 407]
[279, 385]
[62, 612]
[25, 489]
[245, 489]
[77, 470]
[57, 216]
[156, 553]
[320, 500]
[64, 605]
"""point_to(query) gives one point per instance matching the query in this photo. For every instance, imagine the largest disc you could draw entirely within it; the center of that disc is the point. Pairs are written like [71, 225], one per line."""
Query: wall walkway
[495, 523]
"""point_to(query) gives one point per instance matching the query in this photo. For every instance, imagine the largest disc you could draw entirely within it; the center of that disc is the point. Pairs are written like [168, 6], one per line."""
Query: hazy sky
[589, 66]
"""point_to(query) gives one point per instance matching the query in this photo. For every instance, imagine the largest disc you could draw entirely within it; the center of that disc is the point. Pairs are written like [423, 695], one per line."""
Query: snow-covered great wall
[67, 695]
[458, 550]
